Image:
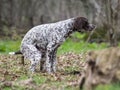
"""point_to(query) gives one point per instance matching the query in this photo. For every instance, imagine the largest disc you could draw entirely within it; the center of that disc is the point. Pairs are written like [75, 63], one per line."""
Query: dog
[41, 42]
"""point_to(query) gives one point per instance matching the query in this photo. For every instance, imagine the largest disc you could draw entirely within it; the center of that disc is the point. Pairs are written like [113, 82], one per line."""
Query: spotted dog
[41, 42]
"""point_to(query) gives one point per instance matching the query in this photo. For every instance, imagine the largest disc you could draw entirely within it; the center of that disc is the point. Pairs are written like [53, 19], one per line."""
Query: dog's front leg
[48, 62]
[53, 66]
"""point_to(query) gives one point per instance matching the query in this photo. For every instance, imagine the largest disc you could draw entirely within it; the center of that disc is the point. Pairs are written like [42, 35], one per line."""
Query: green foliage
[67, 46]
[8, 46]
[78, 35]
[78, 47]
[114, 86]
[39, 79]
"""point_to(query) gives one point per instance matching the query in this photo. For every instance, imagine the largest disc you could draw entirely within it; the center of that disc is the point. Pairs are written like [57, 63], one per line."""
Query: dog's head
[81, 23]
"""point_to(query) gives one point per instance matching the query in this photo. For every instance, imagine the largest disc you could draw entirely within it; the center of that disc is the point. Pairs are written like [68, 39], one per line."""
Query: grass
[43, 80]
[68, 46]
[8, 46]
[114, 86]
[78, 47]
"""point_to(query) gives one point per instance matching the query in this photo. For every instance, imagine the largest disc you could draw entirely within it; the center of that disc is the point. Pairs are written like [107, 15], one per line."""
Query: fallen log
[103, 67]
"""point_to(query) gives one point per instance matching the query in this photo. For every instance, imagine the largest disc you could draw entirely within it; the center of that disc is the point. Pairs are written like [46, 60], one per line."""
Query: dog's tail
[18, 52]
[14, 53]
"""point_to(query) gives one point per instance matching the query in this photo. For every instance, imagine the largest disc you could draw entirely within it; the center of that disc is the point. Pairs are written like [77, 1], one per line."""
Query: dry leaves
[69, 69]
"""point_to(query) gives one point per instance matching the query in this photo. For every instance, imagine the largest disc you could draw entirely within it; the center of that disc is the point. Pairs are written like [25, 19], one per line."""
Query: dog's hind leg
[32, 53]
[42, 63]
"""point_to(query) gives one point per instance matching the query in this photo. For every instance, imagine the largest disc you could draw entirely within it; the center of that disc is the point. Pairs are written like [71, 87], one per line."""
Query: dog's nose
[93, 26]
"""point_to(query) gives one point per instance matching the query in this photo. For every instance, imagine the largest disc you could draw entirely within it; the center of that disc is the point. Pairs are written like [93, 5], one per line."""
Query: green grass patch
[8, 46]
[67, 46]
[78, 47]
[39, 79]
[114, 86]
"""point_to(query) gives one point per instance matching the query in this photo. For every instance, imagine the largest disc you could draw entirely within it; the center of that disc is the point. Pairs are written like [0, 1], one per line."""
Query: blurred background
[18, 16]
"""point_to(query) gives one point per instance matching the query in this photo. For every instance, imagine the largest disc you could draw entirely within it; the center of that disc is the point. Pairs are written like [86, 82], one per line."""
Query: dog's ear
[79, 22]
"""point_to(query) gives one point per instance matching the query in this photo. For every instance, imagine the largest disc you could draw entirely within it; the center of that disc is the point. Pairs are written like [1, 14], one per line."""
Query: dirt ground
[13, 74]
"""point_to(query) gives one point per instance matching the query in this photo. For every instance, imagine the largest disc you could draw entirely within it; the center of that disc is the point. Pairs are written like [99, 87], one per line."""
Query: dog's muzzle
[91, 27]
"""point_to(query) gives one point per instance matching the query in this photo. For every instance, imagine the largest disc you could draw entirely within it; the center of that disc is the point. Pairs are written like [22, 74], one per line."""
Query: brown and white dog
[41, 42]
